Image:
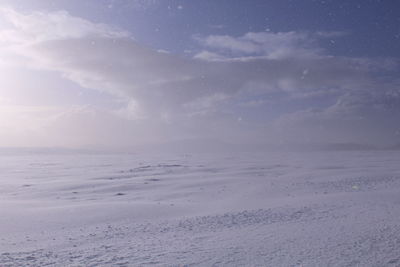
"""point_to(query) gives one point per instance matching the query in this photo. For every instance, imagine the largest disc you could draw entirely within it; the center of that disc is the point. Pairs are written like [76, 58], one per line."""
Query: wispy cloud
[270, 45]
[38, 27]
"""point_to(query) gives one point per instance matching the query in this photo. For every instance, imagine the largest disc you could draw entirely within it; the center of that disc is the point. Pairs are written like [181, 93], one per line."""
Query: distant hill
[197, 146]
[40, 150]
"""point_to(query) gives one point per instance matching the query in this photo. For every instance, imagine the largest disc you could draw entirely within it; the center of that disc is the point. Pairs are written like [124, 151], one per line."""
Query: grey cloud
[123, 67]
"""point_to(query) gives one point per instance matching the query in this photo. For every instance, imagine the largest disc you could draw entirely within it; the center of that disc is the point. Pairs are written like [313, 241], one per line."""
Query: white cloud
[331, 34]
[163, 92]
[209, 56]
[40, 26]
[99, 57]
[267, 44]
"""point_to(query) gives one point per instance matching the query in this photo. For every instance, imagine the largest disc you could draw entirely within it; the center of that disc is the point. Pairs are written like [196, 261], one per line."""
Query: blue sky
[374, 25]
[125, 73]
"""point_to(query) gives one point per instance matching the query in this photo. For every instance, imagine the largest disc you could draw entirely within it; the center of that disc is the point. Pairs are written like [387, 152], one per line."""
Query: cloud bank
[264, 87]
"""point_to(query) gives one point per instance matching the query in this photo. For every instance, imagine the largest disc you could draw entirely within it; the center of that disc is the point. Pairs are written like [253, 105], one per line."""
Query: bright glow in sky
[123, 73]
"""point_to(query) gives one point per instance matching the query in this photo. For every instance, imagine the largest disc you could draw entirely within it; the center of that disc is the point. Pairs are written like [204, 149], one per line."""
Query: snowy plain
[332, 208]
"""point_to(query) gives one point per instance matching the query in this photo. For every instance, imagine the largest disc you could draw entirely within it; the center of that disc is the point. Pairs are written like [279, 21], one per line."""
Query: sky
[122, 73]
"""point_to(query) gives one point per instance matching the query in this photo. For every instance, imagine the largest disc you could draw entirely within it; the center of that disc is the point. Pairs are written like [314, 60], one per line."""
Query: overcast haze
[126, 73]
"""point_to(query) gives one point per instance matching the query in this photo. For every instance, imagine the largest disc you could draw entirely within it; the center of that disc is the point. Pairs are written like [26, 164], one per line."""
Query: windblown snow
[252, 209]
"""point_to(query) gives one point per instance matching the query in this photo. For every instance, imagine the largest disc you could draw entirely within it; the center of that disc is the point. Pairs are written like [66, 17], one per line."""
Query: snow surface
[270, 209]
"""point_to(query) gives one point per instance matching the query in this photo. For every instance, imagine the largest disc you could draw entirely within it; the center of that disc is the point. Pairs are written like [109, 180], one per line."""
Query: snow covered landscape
[336, 208]
[199, 133]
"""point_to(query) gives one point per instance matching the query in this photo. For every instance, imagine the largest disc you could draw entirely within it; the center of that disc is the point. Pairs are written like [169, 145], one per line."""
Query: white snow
[253, 209]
